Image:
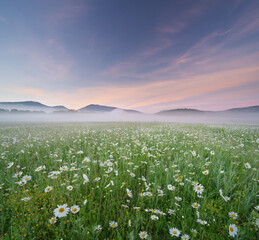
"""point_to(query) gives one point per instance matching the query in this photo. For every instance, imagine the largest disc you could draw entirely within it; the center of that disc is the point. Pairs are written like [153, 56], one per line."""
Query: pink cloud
[214, 89]
[30, 92]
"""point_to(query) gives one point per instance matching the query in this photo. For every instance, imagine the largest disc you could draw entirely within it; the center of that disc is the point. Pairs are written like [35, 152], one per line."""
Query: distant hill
[252, 109]
[30, 106]
[101, 108]
[190, 111]
[180, 111]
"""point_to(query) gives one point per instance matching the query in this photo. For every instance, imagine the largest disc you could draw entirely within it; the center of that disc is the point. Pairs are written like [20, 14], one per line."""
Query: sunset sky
[137, 54]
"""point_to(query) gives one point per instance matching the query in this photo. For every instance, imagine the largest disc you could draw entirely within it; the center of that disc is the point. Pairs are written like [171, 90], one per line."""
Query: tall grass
[142, 157]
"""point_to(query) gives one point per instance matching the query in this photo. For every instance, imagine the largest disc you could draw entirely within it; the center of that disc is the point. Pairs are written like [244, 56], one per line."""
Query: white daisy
[129, 192]
[26, 178]
[113, 224]
[174, 232]
[233, 230]
[61, 211]
[26, 199]
[185, 237]
[52, 220]
[48, 189]
[195, 205]
[171, 211]
[178, 199]
[98, 228]
[75, 209]
[199, 189]
[170, 187]
[154, 217]
[247, 165]
[233, 215]
[143, 235]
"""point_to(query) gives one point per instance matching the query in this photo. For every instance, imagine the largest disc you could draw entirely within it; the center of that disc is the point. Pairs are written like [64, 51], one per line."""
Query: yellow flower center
[61, 210]
[231, 229]
[143, 235]
[26, 179]
[74, 209]
[233, 215]
[198, 188]
[52, 220]
[174, 232]
[195, 205]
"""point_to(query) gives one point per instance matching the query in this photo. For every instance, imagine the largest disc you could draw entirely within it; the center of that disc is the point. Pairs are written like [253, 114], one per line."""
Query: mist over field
[121, 116]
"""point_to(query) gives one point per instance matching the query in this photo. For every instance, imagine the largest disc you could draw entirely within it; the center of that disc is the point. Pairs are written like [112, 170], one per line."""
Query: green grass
[149, 150]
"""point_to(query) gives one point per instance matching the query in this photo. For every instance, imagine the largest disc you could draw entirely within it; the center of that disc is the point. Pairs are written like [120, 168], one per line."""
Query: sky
[147, 55]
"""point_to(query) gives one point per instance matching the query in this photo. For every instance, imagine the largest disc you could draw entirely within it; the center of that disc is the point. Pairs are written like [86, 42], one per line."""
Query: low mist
[121, 116]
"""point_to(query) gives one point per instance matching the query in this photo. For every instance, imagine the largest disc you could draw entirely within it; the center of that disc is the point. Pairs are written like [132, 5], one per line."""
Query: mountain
[180, 111]
[252, 109]
[190, 111]
[31, 106]
[100, 108]
[96, 108]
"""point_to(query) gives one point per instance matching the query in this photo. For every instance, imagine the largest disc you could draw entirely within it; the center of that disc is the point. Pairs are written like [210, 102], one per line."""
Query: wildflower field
[128, 181]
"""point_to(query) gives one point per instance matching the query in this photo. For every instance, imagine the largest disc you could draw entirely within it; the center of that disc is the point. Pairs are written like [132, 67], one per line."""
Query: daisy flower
[170, 211]
[199, 189]
[195, 205]
[69, 188]
[149, 194]
[233, 215]
[195, 183]
[61, 211]
[98, 228]
[132, 174]
[97, 179]
[64, 168]
[39, 168]
[26, 199]
[185, 237]
[86, 179]
[52, 220]
[202, 222]
[194, 231]
[154, 217]
[178, 199]
[206, 172]
[48, 189]
[233, 230]
[257, 208]
[143, 235]
[247, 165]
[26, 178]
[10, 164]
[226, 198]
[113, 224]
[170, 187]
[212, 152]
[174, 232]
[75, 209]
[129, 192]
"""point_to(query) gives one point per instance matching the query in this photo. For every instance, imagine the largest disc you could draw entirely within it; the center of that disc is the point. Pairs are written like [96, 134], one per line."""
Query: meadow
[128, 181]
